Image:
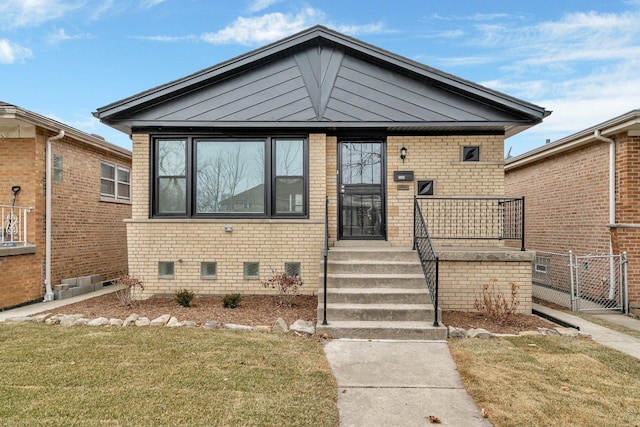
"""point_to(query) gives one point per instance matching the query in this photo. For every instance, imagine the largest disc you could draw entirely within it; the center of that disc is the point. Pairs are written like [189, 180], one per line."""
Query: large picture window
[217, 177]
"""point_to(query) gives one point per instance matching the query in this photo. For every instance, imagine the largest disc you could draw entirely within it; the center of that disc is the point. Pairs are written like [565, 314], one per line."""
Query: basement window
[425, 187]
[209, 270]
[166, 270]
[251, 270]
[542, 264]
[292, 269]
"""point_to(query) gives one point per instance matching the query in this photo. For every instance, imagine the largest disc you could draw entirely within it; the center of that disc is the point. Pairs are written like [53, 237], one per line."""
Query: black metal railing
[428, 256]
[474, 218]
[326, 255]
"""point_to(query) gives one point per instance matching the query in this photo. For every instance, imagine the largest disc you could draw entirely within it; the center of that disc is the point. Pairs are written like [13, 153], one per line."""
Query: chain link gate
[581, 283]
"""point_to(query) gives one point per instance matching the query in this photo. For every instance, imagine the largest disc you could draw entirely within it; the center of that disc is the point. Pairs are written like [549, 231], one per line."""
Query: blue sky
[579, 58]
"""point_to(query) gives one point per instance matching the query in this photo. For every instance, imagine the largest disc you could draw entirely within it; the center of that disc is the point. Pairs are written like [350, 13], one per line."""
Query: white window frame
[117, 184]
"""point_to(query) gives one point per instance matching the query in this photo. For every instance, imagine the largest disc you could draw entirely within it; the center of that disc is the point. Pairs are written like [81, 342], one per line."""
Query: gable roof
[16, 118]
[628, 122]
[319, 79]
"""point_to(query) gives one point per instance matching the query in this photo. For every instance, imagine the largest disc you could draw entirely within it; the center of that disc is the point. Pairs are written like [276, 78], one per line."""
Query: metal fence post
[574, 303]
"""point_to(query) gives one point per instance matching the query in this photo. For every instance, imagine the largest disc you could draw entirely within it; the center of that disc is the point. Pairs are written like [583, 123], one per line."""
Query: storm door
[361, 190]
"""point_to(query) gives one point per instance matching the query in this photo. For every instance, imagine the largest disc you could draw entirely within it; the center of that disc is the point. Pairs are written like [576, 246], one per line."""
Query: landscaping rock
[100, 321]
[69, 319]
[262, 328]
[81, 321]
[188, 324]
[142, 321]
[479, 333]
[173, 322]
[161, 321]
[547, 332]
[116, 322]
[567, 332]
[53, 320]
[280, 326]
[131, 320]
[20, 319]
[303, 327]
[456, 332]
[234, 327]
[212, 324]
[41, 318]
[529, 333]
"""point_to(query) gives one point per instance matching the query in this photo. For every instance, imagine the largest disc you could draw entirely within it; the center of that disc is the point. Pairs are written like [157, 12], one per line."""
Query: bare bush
[129, 293]
[493, 303]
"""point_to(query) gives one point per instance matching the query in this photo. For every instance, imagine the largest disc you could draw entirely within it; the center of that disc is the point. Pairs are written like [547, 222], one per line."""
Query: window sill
[19, 249]
[113, 200]
[227, 220]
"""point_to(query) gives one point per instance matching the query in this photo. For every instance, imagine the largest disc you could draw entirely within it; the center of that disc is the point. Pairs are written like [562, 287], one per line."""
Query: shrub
[286, 286]
[184, 297]
[130, 290]
[493, 304]
[231, 300]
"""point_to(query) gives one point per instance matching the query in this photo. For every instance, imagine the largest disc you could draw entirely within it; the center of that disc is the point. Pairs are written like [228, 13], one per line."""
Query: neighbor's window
[251, 270]
[165, 270]
[222, 177]
[115, 181]
[57, 168]
[208, 270]
[471, 153]
[542, 264]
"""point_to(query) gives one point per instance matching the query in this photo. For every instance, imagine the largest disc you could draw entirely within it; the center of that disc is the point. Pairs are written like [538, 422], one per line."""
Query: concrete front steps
[376, 291]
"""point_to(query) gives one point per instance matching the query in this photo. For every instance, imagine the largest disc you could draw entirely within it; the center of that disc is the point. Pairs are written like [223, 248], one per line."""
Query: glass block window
[251, 270]
[292, 269]
[57, 168]
[425, 187]
[166, 270]
[208, 270]
[471, 153]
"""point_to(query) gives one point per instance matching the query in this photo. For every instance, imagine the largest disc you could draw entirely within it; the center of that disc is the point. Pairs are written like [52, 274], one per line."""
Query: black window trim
[269, 179]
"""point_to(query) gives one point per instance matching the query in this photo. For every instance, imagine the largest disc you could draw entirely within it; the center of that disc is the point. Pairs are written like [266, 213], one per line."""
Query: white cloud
[60, 35]
[148, 4]
[103, 7]
[10, 53]
[265, 28]
[258, 5]
[354, 30]
[31, 13]
[167, 39]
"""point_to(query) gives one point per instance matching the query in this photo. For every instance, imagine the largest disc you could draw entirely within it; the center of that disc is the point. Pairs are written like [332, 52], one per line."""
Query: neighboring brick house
[316, 115]
[90, 198]
[567, 185]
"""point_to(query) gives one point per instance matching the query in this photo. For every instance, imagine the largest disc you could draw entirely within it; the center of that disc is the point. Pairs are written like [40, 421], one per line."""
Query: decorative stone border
[300, 327]
[453, 332]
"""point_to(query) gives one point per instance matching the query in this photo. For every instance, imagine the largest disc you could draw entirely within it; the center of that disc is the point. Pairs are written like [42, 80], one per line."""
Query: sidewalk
[617, 340]
[399, 383]
[42, 307]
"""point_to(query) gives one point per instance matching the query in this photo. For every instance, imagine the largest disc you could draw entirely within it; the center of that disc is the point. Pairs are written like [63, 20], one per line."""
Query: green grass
[549, 381]
[87, 376]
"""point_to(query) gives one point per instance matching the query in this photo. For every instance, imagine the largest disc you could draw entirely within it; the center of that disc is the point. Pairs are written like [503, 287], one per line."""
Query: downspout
[48, 296]
[612, 205]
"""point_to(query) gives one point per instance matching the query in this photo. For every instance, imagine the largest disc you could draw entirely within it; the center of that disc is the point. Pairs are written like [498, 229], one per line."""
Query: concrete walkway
[399, 383]
[617, 340]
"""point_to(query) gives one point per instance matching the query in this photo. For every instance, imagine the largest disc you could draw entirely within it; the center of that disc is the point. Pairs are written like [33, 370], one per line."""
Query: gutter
[48, 296]
[612, 204]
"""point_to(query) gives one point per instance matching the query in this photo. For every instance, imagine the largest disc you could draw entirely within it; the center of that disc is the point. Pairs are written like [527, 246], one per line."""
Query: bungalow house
[63, 197]
[249, 166]
[583, 195]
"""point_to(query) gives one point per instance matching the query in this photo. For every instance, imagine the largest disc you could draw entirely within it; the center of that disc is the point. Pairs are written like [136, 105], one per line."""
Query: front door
[361, 200]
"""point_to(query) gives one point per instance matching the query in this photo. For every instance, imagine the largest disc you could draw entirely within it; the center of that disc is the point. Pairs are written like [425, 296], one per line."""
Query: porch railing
[326, 254]
[13, 220]
[474, 218]
[428, 256]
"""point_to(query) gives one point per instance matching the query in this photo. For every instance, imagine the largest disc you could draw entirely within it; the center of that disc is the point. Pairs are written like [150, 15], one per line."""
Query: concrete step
[373, 267]
[361, 244]
[376, 296]
[382, 330]
[378, 312]
[391, 253]
[355, 280]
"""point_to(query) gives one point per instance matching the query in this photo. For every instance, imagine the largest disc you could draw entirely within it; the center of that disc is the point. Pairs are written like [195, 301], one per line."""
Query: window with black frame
[249, 177]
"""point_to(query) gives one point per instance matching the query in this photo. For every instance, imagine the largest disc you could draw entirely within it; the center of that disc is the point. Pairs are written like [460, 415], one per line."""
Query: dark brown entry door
[361, 185]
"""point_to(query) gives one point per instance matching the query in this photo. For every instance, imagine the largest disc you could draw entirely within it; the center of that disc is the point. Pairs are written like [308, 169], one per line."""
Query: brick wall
[439, 158]
[461, 282]
[566, 200]
[88, 235]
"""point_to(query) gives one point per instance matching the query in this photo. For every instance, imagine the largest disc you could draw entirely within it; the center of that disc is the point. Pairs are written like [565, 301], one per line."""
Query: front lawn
[550, 381]
[89, 376]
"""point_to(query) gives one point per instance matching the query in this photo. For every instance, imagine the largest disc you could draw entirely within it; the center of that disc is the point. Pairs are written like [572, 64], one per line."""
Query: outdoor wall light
[403, 153]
